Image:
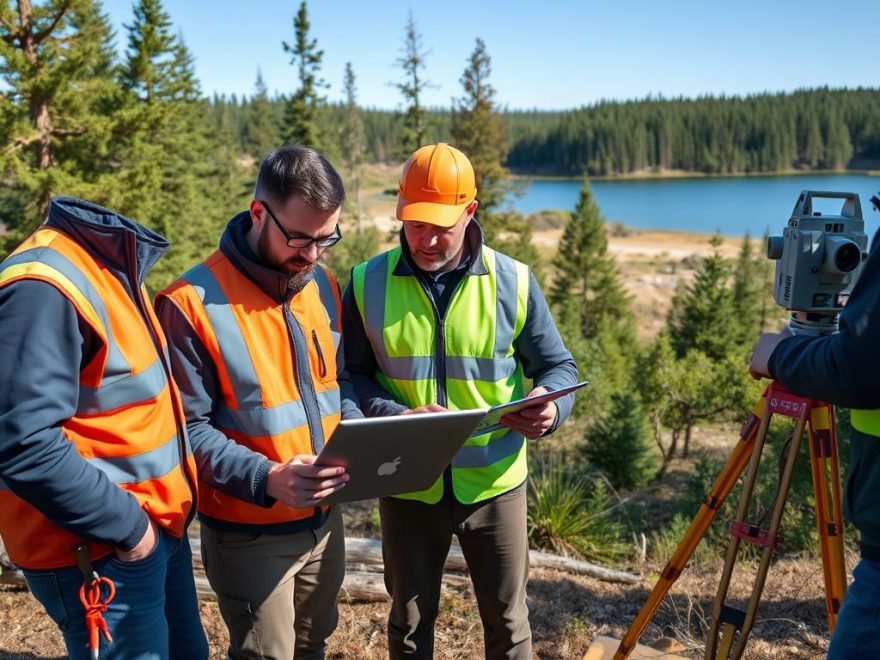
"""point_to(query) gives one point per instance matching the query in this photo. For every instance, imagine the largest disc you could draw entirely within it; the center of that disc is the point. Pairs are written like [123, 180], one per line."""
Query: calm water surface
[735, 205]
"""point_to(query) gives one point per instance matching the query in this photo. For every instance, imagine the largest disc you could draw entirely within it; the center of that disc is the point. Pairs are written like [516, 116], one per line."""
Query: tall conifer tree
[478, 131]
[412, 62]
[302, 121]
[166, 176]
[588, 284]
[56, 61]
[261, 131]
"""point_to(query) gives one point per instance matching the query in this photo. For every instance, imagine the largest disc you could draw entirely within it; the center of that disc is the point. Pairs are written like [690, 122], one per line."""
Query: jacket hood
[107, 235]
[234, 245]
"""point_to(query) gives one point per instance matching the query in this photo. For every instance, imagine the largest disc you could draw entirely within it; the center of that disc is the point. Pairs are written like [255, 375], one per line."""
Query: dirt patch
[566, 611]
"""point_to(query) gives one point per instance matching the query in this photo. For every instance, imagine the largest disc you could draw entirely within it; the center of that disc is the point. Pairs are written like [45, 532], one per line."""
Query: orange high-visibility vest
[129, 421]
[261, 402]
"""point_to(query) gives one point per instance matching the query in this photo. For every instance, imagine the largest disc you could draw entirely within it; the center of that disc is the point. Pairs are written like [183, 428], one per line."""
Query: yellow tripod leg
[829, 513]
[725, 482]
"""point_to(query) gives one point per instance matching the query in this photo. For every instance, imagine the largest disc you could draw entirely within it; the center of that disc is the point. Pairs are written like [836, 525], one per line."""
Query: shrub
[620, 444]
[574, 516]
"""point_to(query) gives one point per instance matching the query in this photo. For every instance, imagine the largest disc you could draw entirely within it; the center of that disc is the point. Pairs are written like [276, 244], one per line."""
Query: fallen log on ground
[363, 578]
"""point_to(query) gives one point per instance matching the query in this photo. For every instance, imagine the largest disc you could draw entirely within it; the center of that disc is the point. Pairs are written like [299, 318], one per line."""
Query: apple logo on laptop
[389, 467]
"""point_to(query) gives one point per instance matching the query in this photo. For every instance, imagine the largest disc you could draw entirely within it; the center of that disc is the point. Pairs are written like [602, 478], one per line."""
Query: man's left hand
[764, 347]
[535, 421]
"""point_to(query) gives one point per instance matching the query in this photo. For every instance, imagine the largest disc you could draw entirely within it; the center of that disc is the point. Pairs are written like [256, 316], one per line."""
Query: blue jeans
[155, 613]
[858, 625]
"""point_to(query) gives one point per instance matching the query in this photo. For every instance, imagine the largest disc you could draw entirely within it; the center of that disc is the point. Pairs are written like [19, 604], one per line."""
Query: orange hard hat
[436, 185]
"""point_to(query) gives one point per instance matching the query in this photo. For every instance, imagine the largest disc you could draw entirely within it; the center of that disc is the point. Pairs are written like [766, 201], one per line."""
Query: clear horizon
[564, 55]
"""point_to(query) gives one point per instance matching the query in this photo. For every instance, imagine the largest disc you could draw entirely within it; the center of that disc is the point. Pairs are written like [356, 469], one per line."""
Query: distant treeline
[814, 129]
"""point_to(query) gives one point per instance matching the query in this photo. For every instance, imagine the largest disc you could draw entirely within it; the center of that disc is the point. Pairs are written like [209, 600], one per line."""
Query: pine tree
[620, 445]
[702, 315]
[748, 291]
[588, 283]
[262, 133]
[478, 131]
[352, 142]
[412, 62]
[302, 123]
[166, 180]
[56, 63]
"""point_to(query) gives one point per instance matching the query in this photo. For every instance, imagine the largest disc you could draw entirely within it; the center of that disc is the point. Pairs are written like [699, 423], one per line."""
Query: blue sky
[550, 54]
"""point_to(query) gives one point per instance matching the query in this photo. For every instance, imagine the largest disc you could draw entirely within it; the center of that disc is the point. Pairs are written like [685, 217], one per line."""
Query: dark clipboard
[492, 420]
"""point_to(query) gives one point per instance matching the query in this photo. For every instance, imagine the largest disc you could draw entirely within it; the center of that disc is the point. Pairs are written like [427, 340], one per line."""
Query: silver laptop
[392, 455]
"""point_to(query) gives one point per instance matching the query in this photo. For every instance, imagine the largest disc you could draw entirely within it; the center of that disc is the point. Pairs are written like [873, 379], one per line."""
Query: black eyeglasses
[304, 241]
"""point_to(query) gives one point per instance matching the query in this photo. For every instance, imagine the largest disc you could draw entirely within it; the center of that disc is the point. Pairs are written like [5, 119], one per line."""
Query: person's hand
[764, 347]
[301, 484]
[431, 407]
[534, 421]
[145, 546]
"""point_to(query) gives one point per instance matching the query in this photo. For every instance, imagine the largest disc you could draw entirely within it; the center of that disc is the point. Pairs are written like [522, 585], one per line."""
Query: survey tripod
[731, 627]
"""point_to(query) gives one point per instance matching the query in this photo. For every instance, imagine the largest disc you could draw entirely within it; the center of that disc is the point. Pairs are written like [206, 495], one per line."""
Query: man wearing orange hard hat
[445, 322]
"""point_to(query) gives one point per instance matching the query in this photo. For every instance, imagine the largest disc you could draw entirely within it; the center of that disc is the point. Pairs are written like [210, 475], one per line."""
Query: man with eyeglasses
[253, 333]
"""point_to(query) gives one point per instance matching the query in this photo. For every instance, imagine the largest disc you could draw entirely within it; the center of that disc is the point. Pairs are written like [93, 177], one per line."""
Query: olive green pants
[415, 542]
[277, 592]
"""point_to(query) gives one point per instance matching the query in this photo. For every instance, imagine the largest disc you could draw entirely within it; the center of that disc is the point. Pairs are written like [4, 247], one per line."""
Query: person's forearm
[543, 354]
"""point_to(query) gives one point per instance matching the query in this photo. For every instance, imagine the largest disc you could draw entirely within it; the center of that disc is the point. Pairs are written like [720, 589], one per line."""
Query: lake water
[733, 205]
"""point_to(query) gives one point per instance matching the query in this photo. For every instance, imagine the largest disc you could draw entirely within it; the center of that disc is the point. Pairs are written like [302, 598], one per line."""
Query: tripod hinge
[754, 534]
[823, 443]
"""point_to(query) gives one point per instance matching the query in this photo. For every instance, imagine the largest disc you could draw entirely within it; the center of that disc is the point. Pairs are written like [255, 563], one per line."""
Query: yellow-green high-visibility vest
[470, 351]
[866, 421]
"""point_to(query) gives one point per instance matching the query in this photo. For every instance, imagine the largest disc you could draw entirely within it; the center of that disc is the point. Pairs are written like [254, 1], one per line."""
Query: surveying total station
[818, 260]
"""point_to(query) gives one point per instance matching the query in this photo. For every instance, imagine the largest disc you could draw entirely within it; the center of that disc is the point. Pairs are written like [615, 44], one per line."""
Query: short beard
[297, 282]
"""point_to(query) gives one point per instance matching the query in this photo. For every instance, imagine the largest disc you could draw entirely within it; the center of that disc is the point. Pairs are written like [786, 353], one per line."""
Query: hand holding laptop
[532, 421]
[301, 484]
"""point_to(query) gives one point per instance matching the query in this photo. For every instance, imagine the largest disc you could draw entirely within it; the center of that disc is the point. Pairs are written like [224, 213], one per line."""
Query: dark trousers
[277, 592]
[155, 614]
[493, 537]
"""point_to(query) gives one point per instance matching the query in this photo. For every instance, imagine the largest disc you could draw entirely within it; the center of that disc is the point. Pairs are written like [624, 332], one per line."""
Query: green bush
[620, 444]
[574, 516]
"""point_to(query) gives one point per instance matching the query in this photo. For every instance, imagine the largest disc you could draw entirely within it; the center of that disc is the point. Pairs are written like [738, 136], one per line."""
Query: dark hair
[297, 170]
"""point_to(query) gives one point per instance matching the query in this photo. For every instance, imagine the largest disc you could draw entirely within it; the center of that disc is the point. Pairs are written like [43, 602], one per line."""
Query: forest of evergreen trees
[809, 130]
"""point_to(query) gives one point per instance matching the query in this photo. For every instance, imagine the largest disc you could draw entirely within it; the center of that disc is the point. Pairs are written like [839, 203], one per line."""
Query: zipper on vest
[303, 375]
[323, 368]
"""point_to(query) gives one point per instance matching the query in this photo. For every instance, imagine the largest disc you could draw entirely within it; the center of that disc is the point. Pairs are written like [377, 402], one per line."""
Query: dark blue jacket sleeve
[222, 462]
[43, 347]
[843, 368]
[360, 361]
[544, 357]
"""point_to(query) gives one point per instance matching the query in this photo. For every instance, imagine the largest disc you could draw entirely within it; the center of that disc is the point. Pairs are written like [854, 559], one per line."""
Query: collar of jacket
[473, 236]
[234, 245]
[107, 235]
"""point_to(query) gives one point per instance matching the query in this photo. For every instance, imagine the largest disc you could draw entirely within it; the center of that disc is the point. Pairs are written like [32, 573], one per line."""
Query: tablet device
[492, 420]
[393, 455]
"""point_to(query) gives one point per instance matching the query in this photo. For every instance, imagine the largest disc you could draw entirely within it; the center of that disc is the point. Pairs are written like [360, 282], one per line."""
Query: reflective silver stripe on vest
[117, 366]
[374, 304]
[115, 393]
[461, 368]
[478, 456]
[458, 367]
[134, 469]
[506, 306]
[328, 297]
[276, 420]
[231, 342]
